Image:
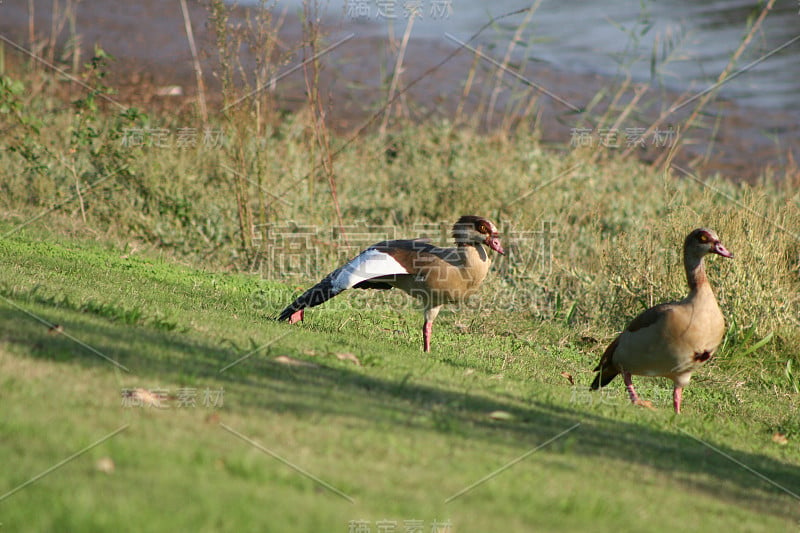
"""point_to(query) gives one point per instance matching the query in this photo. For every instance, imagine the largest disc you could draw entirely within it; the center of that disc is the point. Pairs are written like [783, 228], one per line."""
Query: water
[610, 38]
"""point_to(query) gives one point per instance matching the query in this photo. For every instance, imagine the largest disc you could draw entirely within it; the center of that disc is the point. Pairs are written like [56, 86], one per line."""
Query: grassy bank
[140, 270]
[399, 433]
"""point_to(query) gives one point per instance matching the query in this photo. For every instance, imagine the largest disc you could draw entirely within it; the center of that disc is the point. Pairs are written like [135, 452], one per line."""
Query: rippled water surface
[681, 44]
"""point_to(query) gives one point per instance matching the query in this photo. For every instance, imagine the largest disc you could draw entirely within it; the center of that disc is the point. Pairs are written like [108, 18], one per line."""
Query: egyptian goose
[437, 276]
[671, 339]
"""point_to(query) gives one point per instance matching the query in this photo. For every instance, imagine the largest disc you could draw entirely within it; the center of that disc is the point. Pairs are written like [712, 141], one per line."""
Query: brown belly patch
[702, 357]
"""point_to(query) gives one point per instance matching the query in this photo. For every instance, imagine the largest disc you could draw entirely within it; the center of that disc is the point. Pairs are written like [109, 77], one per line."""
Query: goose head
[703, 241]
[471, 229]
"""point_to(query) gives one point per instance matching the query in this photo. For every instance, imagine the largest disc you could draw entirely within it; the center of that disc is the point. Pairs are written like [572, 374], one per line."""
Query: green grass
[399, 434]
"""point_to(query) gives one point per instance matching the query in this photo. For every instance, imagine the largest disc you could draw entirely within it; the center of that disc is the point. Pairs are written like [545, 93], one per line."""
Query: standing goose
[437, 276]
[671, 339]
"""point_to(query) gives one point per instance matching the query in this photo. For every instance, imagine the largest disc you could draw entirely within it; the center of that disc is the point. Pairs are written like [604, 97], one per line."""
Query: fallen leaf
[348, 357]
[212, 418]
[291, 361]
[105, 465]
[55, 329]
[144, 397]
[501, 415]
[169, 90]
[568, 376]
[780, 438]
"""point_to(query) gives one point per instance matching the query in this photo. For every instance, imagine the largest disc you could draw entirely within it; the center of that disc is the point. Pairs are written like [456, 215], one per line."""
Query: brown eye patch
[703, 237]
[483, 228]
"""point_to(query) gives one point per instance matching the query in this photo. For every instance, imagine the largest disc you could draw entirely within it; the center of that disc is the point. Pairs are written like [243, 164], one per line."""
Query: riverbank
[153, 69]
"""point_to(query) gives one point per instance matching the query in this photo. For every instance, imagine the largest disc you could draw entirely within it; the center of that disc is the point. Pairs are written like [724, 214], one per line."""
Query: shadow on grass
[332, 388]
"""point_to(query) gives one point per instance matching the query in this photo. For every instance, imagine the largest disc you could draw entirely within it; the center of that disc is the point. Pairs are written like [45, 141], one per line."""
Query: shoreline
[152, 58]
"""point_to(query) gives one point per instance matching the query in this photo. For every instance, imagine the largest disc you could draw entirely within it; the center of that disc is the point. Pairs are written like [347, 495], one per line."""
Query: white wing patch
[368, 264]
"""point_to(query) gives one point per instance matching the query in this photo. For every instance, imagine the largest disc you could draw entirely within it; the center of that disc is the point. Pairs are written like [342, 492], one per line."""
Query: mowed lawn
[166, 399]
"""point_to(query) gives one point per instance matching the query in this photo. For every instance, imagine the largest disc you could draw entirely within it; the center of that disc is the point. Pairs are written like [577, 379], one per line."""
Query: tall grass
[614, 226]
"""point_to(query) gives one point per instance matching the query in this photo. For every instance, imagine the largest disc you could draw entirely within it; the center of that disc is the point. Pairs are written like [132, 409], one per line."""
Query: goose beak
[493, 242]
[721, 250]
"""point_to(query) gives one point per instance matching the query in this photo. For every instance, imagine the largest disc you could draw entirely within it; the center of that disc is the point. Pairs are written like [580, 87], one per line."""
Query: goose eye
[703, 238]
